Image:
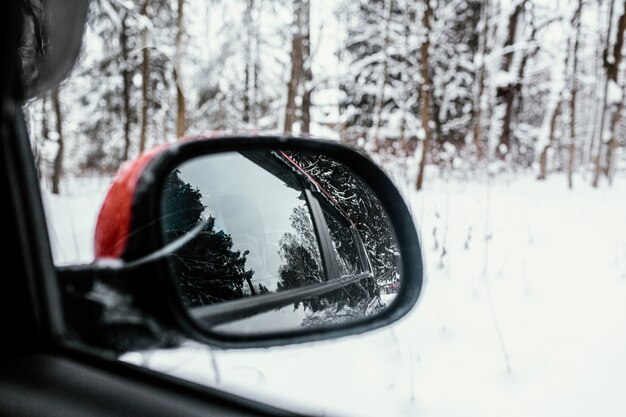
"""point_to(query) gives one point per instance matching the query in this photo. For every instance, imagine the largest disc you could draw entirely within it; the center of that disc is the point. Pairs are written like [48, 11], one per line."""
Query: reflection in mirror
[287, 240]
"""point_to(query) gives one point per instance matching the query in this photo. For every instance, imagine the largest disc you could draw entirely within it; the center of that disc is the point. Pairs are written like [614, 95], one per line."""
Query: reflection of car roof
[328, 196]
[275, 162]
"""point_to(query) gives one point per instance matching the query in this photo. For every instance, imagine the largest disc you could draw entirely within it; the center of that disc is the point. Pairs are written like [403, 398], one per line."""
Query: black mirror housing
[156, 286]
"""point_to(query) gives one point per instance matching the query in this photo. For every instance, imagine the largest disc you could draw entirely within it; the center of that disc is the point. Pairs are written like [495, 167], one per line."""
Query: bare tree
[572, 102]
[181, 117]
[126, 83]
[555, 102]
[599, 80]
[57, 167]
[543, 157]
[616, 120]
[480, 89]
[307, 71]
[506, 93]
[612, 59]
[251, 67]
[406, 31]
[297, 65]
[425, 93]
[45, 134]
[145, 77]
[384, 74]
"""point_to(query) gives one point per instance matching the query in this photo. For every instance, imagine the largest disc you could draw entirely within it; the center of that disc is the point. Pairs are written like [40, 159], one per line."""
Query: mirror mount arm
[80, 279]
[102, 289]
[100, 309]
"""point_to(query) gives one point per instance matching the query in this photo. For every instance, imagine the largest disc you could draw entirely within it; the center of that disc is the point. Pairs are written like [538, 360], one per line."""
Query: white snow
[613, 93]
[503, 78]
[71, 218]
[524, 316]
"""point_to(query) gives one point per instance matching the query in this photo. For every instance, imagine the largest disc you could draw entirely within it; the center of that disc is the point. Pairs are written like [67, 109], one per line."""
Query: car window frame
[40, 339]
[332, 210]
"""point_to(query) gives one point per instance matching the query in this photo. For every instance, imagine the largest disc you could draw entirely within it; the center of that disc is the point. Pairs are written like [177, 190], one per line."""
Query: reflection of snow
[290, 318]
[387, 299]
[333, 315]
[613, 93]
[286, 318]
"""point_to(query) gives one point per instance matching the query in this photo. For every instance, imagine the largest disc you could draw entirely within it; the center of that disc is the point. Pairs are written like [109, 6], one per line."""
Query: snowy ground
[530, 321]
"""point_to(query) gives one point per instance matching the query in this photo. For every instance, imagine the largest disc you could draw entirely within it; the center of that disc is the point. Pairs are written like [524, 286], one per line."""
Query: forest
[500, 120]
[422, 86]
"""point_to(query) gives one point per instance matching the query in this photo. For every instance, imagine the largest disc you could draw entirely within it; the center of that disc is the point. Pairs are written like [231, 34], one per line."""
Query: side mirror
[258, 241]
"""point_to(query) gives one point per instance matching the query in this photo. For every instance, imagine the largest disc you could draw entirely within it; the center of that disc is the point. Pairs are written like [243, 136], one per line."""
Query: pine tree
[208, 269]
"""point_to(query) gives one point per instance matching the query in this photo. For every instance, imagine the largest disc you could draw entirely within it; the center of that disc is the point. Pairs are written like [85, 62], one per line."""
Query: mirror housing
[144, 251]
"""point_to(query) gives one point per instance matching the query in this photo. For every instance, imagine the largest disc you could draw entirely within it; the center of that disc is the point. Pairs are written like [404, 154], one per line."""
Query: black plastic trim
[34, 249]
[70, 383]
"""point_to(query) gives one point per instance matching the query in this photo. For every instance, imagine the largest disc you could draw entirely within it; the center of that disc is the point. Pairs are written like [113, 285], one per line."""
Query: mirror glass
[277, 241]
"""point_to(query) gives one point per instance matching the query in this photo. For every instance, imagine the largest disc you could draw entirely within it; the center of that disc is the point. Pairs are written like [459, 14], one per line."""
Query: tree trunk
[616, 123]
[252, 290]
[543, 158]
[596, 159]
[404, 78]
[246, 95]
[382, 80]
[613, 143]
[506, 94]
[618, 107]
[435, 117]
[181, 116]
[477, 107]
[307, 71]
[45, 134]
[425, 93]
[297, 57]
[603, 159]
[145, 83]
[612, 66]
[598, 99]
[57, 168]
[572, 117]
[504, 144]
[248, 77]
[126, 80]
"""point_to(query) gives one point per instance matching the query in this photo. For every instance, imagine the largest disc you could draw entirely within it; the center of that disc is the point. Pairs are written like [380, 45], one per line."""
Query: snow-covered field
[525, 315]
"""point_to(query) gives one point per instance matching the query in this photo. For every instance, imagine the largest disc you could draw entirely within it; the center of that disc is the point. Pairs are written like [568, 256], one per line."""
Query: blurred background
[500, 120]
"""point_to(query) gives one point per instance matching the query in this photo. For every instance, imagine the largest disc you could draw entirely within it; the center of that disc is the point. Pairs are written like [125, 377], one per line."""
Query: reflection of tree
[301, 261]
[355, 198]
[207, 268]
[182, 204]
[339, 313]
[302, 267]
[345, 245]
